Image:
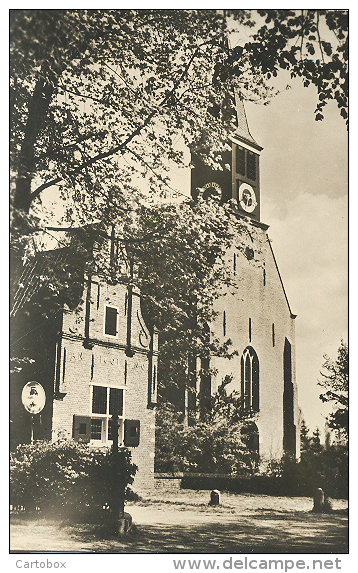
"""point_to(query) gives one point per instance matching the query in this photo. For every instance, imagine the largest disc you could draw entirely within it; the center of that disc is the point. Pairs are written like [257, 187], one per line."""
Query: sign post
[33, 397]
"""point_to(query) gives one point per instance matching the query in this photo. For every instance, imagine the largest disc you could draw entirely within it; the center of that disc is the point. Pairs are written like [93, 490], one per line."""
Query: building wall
[258, 303]
[87, 357]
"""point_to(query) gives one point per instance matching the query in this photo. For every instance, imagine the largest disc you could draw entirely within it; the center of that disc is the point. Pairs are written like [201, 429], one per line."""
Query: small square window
[111, 321]
[82, 429]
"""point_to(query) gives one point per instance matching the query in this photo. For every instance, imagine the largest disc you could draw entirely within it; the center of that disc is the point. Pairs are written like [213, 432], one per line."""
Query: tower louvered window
[251, 165]
[245, 163]
[240, 160]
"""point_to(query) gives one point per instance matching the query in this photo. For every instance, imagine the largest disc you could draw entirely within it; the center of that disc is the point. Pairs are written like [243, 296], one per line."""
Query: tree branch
[122, 146]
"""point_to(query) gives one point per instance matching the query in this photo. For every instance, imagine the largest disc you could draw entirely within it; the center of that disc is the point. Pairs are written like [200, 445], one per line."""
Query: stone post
[318, 500]
[214, 497]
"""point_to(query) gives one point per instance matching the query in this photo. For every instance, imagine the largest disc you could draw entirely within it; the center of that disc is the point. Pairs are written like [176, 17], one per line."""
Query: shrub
[219, 442]
[66, 477]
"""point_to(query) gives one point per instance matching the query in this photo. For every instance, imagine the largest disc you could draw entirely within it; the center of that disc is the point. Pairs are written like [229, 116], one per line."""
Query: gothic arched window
[250, 379]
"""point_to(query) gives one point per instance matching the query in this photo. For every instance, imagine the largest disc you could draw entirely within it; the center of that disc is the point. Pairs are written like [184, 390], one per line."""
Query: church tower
[256, 317]
[239, 178]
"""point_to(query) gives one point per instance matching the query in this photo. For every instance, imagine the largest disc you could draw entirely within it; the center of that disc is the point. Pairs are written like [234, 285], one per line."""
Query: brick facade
[80, 356]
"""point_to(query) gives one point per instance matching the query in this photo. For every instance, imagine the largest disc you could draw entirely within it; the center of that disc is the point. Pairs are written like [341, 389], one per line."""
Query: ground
[183, 522]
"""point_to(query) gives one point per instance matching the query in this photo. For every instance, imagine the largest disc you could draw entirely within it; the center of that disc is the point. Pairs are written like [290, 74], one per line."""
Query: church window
[250, 379]
[251, 165]
[105, 402]
[249, 329]
[240, 160]
[246, 163]
[110, 325]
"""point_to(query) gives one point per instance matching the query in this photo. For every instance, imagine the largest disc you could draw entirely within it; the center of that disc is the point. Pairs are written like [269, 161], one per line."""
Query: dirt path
[186, 524]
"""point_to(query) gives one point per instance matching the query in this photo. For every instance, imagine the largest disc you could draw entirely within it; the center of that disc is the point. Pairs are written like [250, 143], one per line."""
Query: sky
[304, 200]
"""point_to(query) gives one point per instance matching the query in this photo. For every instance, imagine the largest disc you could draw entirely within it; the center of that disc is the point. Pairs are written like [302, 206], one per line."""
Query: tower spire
[242, 131]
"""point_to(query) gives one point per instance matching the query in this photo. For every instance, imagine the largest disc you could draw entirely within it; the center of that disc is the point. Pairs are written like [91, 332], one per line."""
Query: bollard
[214, 497]
[318, 500]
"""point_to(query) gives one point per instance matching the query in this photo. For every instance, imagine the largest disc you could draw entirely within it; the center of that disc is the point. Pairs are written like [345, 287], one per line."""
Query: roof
[242, 131]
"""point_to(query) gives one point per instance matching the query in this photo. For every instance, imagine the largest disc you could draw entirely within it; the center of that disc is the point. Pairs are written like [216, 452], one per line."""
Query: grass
[183, 522]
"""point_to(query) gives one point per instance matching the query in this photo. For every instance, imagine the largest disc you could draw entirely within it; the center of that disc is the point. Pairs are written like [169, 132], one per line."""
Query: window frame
[250, 380]
[105, 418]
[104, 320]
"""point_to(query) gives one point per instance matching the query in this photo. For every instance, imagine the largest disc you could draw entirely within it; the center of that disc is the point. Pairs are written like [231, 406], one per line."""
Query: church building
[97, 355]
[257, 317]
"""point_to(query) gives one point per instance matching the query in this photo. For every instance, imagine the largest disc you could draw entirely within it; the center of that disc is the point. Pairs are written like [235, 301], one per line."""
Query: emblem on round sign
[247, 198]
[212, 190]
[33, 397]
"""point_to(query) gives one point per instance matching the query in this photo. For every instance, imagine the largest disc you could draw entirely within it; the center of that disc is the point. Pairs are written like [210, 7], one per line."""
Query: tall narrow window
[289, 427]
[250, 379]
[240, 160]
[99, 400]
[273, 334]
[249, 329]
[264, 276]
[154, 382]
[251, 165]
[110, 326]
[224, 323]
[64, 365]
[115, 402]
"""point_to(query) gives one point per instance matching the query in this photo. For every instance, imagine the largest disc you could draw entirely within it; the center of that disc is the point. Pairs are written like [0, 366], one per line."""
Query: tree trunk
[37, 112]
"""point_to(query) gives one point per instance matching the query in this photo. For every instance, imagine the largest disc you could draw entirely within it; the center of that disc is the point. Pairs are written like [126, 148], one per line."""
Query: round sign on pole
[33, 397]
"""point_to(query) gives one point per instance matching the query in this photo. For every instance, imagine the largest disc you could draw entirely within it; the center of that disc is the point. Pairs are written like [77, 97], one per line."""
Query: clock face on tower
[212, 190]
[247, 198]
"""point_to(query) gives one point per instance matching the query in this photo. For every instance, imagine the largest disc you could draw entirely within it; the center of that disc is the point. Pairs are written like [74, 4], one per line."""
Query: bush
[66, 478]
[219, 442]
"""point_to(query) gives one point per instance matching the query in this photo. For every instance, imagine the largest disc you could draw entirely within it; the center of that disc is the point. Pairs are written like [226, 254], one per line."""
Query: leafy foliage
[218, 442]
[322, 466]
[100, 95]
[311, 44]
[66, 477]
[335, 382]
[181, 252]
